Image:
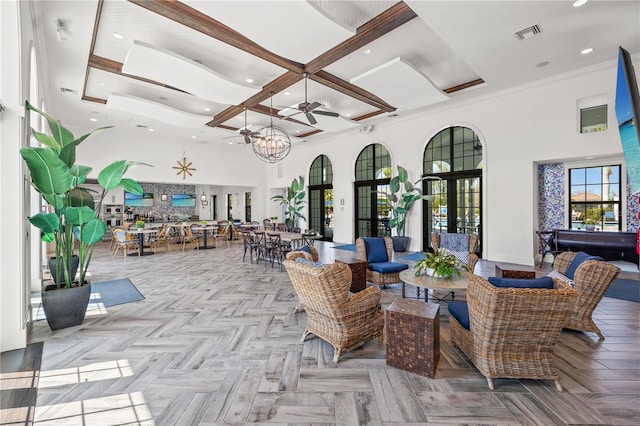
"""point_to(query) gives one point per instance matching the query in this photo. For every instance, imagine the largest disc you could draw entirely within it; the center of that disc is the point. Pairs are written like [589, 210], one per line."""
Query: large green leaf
[81, 197]
[394, 184]
[110, 176]
[80, 171]
[79, 215]
[47, 222]
[46, 140]
[402, 174]
[58, 131]
[93, 231]
[49, 174]
[131, 185]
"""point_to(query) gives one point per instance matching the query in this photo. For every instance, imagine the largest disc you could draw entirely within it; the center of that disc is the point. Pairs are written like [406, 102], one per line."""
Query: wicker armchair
[466, 255]
[512, 331]
[345, 322]
[592, 280]
[388, 275]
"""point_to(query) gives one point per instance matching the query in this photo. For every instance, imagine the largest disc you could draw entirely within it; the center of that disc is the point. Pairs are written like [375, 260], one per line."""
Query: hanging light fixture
[272, 143]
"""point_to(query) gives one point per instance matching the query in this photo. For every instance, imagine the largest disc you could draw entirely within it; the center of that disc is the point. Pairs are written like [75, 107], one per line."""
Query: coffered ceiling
[191, 68]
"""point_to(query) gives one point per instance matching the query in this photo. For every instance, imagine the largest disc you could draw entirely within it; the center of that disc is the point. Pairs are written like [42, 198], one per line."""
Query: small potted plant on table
[440, 264]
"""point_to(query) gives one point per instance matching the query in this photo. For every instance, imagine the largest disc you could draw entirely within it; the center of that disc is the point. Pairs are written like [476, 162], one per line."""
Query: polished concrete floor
[217, 341]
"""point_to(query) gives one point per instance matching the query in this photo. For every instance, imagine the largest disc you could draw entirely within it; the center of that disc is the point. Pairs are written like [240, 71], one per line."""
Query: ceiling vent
[528, 32]
[67, 90]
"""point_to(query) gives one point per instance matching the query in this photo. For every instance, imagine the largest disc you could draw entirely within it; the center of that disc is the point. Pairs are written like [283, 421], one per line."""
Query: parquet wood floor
[216, 341]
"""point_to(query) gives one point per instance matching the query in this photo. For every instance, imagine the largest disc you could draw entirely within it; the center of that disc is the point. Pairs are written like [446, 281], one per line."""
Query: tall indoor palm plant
[293, 202]
[402, 196]
[72, 221]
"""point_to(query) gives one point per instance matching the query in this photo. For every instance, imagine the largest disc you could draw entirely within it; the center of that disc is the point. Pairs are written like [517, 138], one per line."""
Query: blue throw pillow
[305, 248]
[577, 260]
[542, 282]
[376, 250]
[309, 262]
[460, 311]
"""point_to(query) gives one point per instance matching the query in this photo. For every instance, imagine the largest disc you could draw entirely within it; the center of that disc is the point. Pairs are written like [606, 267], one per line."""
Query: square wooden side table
[358, 274]
[413, 336]
[503, 272]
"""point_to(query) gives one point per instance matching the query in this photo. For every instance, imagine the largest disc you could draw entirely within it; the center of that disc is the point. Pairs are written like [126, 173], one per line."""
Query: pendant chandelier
[272, 143]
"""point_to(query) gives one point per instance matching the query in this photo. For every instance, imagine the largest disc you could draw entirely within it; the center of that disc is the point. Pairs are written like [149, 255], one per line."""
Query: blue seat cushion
[305, 248]
[460, 311]
[577, 260]
[309, 262]
[376, 250]
[388, 267]
[542, 282]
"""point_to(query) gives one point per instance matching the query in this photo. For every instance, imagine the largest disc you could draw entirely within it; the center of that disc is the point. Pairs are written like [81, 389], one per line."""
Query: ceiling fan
[245, 132]
[309, 108]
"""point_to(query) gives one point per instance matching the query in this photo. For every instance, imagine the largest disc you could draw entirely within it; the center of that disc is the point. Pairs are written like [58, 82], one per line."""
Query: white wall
[517, 128]
[13, 226]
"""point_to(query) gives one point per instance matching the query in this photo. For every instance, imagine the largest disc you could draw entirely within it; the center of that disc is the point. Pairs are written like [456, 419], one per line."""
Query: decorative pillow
[577, 260]
[542, 282]
[305, 248]
[454, 242]
[460, 311]
[309, 262]
[556, 274]
[376, 250]
[462, 256]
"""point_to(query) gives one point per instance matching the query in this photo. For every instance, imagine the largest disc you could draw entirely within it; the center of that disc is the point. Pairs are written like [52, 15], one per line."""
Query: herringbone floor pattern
[216, 341]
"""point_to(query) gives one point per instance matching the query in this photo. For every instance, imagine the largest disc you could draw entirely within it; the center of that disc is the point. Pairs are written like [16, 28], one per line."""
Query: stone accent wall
[162, 209]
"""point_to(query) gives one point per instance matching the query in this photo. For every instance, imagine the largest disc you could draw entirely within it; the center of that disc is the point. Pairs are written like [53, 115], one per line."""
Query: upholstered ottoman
[413, 336]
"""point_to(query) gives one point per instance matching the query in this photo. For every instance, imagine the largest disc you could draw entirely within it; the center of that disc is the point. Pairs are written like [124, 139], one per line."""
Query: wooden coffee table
[450, 285]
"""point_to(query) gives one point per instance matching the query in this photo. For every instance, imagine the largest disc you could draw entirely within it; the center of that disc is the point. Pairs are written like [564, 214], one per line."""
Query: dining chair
[124, 241]
[250, 245]
[261, 241]
[223, 231]
[162, 237]
[188, 237]
[308, 239]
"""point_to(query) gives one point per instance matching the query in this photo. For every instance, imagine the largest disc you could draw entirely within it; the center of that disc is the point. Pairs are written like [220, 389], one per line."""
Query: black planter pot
[75, 261]
[400, 244]
[65, 307]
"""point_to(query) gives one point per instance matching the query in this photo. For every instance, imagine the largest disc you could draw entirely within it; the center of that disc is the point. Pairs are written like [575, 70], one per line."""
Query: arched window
[373, 172]
[454, 155]
[321, 197]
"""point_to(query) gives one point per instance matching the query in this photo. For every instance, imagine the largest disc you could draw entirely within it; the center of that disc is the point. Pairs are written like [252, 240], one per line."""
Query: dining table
[141, 232]
[205, 231]
[295, 238]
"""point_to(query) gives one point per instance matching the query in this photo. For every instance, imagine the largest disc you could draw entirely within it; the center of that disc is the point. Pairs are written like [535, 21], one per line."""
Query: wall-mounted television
[628, 113]
[183, 200]
[135, 200]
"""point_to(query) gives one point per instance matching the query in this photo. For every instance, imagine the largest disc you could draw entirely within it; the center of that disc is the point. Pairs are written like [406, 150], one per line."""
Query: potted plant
[590, 224]
[71, 221]
[140, 224]
[402, 196]
[293, 202]
[439, 264]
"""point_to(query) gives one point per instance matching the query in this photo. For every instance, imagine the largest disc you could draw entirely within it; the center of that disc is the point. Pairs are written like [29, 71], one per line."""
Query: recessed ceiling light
[589, 158]
[249, 80]
[93, 119]
[150, 129]
[586, 51]
[230, 143]
[542, 64]
[207, 109]
[579, 3]
[193, 137]
[348, 114]
[239, 116]
[102, 83]
[118, 36]
[297, 131]
[287, 93]
[366, 51]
